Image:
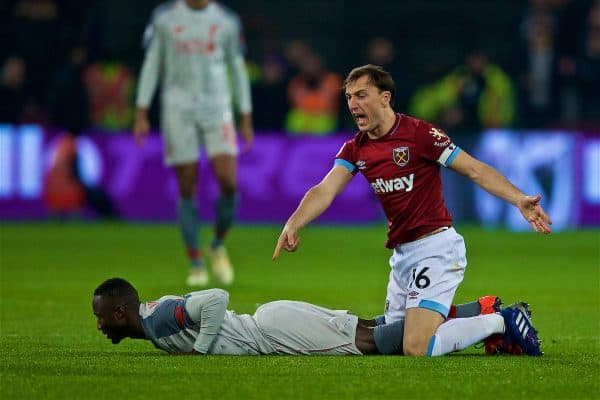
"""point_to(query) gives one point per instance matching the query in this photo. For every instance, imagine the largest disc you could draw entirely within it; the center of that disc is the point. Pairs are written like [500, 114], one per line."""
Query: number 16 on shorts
[419, 279]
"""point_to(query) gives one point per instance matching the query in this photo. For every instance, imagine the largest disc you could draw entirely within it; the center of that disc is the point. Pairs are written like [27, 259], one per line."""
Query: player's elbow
[321, 193]
[468, 166]
[221, 294]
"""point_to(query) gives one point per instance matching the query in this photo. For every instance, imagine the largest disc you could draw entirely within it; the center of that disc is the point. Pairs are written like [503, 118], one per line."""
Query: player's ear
[119, 311]
[385, 98]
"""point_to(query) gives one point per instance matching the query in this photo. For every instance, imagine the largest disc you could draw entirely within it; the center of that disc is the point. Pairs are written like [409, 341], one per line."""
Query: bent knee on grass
[416, 345]
[420, 325]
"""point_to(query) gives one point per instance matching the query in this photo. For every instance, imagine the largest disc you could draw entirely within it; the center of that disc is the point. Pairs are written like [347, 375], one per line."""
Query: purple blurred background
[564, 167]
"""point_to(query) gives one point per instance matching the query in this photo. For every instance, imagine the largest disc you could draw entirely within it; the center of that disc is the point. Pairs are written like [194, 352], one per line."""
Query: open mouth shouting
[360, 119]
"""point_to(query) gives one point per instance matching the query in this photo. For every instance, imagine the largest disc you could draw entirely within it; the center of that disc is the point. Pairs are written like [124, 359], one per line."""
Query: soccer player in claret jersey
[194, 47]
[199, 323]
[400, 157]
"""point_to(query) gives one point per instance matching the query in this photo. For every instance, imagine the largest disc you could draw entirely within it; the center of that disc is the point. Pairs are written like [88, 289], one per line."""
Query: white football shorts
[425, 274]
[186, 130]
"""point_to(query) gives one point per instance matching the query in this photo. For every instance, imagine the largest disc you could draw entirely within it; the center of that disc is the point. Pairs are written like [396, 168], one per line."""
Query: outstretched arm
[314, 203]
[495, 183]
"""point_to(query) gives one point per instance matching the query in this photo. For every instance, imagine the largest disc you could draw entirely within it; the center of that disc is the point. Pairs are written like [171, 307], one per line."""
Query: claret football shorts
[425, 274]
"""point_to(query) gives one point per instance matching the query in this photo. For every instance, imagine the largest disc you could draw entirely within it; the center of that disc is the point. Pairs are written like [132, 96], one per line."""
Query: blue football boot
[519, 330]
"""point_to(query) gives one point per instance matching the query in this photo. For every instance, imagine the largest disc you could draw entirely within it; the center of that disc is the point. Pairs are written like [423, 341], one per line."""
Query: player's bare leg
[225, 171]
[187, 175]
[420, 326]
[187, 215]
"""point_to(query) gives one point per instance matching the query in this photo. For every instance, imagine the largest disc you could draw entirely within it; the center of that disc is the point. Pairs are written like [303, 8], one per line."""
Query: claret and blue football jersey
[403, 168]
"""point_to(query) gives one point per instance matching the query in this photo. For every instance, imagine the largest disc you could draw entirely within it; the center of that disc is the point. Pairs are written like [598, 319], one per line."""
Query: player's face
[110, 318]
[367, 104]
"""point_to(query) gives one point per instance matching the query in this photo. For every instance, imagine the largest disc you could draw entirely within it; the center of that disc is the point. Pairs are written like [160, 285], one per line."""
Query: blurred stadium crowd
[74, 63]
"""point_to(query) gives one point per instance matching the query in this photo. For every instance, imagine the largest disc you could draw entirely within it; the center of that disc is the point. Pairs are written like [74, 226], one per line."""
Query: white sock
[460, 333]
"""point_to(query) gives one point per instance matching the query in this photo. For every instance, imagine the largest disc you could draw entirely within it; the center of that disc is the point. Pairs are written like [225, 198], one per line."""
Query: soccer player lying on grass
[199, 323]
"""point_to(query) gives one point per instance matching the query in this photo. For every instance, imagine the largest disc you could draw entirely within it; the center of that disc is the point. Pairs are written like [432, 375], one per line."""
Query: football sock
[458, 334]
[187, 216]
[195, 257]
[465, 310]
[389, 338]
[225, 210]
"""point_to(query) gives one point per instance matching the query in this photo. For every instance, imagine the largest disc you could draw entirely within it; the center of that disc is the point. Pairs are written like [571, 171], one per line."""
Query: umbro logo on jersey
[401, 156]
[404, 183]
[361, 164]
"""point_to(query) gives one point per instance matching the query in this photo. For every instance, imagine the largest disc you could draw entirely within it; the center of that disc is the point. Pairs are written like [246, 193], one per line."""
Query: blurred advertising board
[563, 166]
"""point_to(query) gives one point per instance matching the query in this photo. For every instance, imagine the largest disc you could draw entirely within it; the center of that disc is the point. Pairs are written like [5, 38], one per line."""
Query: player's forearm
[313, 204]
[246, 118]
[207, 308]
[141, 112]
[493, 182]
[149, 76]
[241, 85]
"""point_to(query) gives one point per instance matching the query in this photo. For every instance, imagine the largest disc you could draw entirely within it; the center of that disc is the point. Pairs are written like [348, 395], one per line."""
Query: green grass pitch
[50, 348]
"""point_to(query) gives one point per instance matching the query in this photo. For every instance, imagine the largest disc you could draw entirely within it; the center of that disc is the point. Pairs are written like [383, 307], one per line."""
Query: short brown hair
[378, 77]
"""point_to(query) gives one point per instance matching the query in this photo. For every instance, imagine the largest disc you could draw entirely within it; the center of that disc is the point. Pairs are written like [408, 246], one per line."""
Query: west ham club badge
[401, 156]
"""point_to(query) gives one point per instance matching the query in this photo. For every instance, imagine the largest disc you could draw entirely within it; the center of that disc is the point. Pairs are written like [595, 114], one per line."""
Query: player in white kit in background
[194, 47]
[199, 323]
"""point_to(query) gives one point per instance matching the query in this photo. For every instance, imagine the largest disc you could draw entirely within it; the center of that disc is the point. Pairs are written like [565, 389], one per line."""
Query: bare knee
[225, 169]
[186, 179]
[415, 345]
[421, 325]
[187, 185]
[186, 189]
[226, 181]
[227, 188]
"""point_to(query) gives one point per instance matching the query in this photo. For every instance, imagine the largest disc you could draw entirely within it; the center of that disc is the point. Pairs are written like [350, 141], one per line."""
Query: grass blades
[50, 348]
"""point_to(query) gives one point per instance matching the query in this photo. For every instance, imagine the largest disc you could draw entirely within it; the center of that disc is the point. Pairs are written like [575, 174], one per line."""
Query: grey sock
[187, 215]
[389, 338]
[468, 310]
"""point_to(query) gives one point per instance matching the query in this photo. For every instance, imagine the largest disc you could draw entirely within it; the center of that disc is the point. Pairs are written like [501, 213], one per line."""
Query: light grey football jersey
[192, 51]
[199, 321]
